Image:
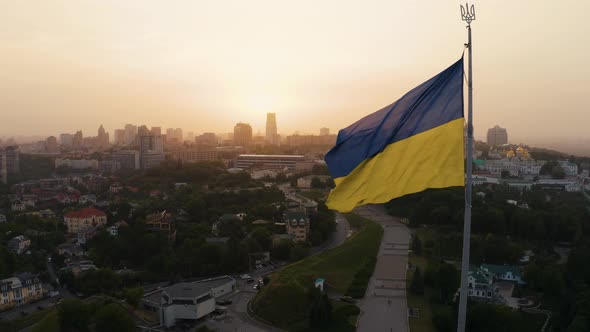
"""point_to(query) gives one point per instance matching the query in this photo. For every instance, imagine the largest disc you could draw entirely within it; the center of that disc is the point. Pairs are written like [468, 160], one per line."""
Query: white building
[187, 300]
[570, 169]
[77, 163]
[514, 165]
[504, 272]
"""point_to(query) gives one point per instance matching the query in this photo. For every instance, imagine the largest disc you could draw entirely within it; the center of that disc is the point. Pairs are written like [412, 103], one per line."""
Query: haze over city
[204, 66]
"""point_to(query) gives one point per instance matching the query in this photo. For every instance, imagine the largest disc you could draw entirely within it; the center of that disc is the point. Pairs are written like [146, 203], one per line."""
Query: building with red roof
[80, 220]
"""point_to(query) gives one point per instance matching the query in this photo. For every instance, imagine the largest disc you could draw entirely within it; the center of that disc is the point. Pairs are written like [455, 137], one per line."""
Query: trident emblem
[468, 14]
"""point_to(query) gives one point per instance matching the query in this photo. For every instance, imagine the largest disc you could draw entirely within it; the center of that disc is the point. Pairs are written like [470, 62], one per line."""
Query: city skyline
[114, 63]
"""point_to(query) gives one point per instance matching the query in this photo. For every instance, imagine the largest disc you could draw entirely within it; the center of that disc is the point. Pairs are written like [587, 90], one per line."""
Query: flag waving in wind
[411, 145]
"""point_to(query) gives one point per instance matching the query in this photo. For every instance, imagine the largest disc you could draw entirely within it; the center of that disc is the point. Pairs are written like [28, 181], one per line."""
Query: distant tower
[497, 136]
[271, 129]
[242, 134]
[151, 151]
[103, 137]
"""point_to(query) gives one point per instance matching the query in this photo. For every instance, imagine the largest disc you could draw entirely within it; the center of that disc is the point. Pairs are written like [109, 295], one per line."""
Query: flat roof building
[244, 161]
[187, 300]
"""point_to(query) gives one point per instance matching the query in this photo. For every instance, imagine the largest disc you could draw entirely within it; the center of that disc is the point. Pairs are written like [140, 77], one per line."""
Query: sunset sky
[205, 65]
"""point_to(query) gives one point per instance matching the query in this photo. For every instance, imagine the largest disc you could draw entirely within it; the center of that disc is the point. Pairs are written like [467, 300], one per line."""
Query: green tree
[73, 316]
[416, 245]
[113, 318]
[448, 282]
[316, 183]
[133, 295]
[417, 284]
[320, 315]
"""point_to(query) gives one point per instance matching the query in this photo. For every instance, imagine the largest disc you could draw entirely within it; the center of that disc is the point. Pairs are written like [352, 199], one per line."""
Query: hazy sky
[205, 65]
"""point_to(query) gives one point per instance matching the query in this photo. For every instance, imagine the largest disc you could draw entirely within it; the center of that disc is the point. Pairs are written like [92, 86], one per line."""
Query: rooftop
[195, 289]
[85, 213]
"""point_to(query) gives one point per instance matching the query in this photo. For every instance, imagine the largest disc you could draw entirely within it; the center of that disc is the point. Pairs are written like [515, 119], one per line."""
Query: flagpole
[467, 15]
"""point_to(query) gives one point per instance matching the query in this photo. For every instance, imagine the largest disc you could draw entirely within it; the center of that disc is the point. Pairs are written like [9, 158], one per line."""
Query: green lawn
[285, 301]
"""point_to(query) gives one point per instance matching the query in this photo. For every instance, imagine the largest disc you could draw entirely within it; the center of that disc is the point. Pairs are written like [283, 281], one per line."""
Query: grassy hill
[285, 301]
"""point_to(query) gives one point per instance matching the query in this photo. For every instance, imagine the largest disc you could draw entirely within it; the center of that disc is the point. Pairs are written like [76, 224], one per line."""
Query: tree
[448, 281]
[316, 183]
[73, 316]
[113, 318]
[263, 238]
[320, 315]
[416, 245]
[133, 295]
[417, 285]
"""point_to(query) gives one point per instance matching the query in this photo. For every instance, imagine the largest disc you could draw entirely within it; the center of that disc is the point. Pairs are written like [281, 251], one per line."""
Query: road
[384, 307]
[237, 319]
[336, 238]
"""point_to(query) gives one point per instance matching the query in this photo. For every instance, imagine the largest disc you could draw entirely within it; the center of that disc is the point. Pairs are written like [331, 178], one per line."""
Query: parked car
[224, 302]
[255, 287]
[347, 299]
[245, 276]
[250, 280]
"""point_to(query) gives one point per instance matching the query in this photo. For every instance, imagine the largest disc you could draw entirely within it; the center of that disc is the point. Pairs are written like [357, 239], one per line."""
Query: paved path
[384, 307]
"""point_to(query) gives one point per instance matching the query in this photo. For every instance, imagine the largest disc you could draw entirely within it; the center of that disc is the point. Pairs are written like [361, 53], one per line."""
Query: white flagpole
[467, 15]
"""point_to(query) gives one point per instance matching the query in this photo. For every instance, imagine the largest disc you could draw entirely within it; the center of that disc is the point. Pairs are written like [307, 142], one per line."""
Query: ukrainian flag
[411, 145]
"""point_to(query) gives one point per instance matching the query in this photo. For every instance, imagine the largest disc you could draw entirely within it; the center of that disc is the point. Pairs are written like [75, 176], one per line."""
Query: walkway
[384, 307]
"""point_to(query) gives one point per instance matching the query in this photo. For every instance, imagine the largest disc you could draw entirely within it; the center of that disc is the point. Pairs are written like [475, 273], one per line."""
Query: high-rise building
[178, 135]
[51, 144]
[242, 134]
[66, 140]
[497, 136]
[206, 139]
[190, 136]
[78, 139]
[174, 136]
[9, 162]
[156, 130]
[102, 140]
[130, 134]
[128, 159]
[119, 137]
[272, 136]
[324, 131]
[151, 151]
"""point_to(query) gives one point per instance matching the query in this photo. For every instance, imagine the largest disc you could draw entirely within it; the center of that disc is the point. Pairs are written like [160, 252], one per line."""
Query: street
[384, 307]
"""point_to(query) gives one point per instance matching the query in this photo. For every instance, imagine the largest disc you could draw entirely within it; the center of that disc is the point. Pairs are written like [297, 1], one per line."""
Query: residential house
[297, 224]
[227, 217]
[162, 222]
[78, 266]
[84, 218]
[504, 272]
[2, 218]
[18, 205]
[87, 199]
[70, 250]
[480, 284]
[114, 230]
[19, 244]
[86, 234]
[21, 289]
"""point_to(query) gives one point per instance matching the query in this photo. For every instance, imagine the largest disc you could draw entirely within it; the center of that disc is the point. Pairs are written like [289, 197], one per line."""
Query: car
[245, 276]
[250, 280]
[255, 287]
[347, 299]
[224, 302]
[49, 260]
